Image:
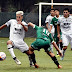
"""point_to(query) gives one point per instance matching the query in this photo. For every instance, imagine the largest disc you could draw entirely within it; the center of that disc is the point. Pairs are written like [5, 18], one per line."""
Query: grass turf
[44, 61]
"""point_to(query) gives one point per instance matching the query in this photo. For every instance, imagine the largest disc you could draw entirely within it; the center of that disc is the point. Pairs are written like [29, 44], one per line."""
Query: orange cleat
[59, 66]
[36, 66]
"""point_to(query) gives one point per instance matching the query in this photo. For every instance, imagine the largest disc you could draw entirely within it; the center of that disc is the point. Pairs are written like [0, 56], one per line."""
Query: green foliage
[44, 61]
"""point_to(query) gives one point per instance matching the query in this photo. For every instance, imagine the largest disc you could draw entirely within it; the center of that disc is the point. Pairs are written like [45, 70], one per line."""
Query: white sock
[12, 52]
[9, 46]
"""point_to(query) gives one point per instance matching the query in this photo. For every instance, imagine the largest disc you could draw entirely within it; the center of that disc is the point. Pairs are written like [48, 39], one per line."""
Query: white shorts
[66, 39]
[21, 45]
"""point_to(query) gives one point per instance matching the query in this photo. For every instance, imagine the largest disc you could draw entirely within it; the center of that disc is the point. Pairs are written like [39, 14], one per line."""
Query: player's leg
[71, 41]
[10, 48]
[65, 40]
[31, 52]
[61, 44]
[23, 47]
[53, 58]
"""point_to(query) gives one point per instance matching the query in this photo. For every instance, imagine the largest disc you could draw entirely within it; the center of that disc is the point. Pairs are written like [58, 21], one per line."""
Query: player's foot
[62, 58]
[36, 66]
[71, 49]
[57, 55]
[31, 65]
[17, 62]
[59, 66]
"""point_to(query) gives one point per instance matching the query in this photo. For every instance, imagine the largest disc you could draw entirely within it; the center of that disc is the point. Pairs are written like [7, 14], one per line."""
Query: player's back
[43, 33]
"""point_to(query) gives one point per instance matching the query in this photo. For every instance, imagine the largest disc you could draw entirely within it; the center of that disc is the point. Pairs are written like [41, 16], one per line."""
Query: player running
[17, 34]
[65, 24]
[48, 21]
[54, 23]
[44, 39]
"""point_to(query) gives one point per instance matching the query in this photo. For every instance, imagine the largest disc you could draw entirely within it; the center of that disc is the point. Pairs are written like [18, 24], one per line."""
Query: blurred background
[31, 12]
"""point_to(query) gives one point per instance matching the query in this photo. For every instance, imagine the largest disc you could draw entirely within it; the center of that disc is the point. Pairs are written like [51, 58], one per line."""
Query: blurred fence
[28, 17]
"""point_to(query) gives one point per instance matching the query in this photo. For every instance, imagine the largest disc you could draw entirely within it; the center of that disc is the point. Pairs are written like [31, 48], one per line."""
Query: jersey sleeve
[8, 23]
[47, 19]
[35, 27]
[24, 23]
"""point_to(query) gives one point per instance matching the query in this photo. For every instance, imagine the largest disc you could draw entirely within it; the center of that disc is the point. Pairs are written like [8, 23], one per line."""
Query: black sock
[14, 58]
[61, 45]
[55, 60]
[33, 58]
[30, 59]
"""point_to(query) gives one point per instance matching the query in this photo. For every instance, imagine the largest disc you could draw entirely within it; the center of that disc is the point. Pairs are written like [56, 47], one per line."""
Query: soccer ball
[2, 56]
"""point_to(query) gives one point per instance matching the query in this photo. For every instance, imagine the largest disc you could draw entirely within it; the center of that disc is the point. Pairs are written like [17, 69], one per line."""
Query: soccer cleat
[59, 66]
[31, 65]
[62, 58]
[36, 66]
[17, 62]
[57, 55]
[71, 49]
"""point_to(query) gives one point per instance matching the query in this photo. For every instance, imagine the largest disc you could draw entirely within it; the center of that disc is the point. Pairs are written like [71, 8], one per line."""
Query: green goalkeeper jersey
[43, 33]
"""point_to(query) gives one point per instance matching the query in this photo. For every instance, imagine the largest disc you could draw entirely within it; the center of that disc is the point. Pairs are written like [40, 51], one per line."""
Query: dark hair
[52, 9]
[66, 9]
[57, 9]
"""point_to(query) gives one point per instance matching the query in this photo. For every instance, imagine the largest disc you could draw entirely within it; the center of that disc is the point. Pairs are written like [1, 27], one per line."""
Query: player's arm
[51, 24]
[25, 28]
[56, 47]
[54, 44]
[3, 26]
[50, 28]
[33, 25]
[58, 30]
[47, 26]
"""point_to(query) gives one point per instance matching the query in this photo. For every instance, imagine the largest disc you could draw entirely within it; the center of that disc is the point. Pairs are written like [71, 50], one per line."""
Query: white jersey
[48, 20]
[65, 24]
[17, 31]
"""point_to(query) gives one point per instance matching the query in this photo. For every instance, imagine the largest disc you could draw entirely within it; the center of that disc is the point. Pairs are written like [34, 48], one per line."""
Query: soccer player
[44, 39]
[17, 33]
[54, 23]
[48, 21]
[65, 24]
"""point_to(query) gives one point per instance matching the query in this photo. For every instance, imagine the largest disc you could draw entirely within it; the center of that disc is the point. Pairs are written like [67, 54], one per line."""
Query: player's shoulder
[61, 17]
[70, 16]
[49, 16]
[12, 20]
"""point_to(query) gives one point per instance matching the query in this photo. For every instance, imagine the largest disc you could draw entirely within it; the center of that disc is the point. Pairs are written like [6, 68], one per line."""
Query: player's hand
[60, 53]
[58, 35]
[19, 22]
[29, 23]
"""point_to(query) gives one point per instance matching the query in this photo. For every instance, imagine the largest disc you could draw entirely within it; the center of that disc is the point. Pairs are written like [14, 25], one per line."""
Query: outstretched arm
[3, 26]
[55, 45]
[31, 24]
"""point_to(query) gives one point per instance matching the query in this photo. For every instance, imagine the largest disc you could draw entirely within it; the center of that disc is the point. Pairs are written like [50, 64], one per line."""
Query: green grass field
[44, 61]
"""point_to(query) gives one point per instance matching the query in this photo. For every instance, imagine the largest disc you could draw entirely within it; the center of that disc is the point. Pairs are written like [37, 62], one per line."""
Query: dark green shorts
[40, 43]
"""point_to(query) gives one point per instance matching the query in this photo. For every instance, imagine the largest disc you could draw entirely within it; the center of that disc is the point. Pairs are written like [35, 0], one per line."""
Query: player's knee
[9, 42]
